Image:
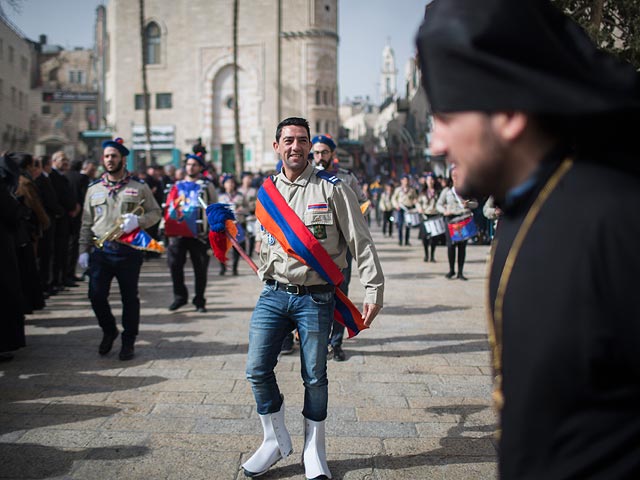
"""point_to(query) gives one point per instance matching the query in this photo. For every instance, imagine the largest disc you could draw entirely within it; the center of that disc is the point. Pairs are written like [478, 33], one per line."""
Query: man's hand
[129, 223]
[370, 311]
[83, 261]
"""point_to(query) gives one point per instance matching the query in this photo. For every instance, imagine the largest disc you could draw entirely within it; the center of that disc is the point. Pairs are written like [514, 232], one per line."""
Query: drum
[462, 228]
[435, 226]
[412, 219]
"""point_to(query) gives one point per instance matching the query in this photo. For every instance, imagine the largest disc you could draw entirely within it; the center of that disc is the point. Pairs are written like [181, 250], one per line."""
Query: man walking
[115, 201]
[186, 228]
[531, 112]
[303, 209]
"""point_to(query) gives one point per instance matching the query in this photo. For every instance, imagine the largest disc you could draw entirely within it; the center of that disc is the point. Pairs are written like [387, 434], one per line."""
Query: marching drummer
[451, 205]
[404, 200]
[115, 199]
[427, 206]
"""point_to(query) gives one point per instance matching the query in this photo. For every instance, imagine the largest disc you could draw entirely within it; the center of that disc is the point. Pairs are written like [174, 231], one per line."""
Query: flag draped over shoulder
[141, 240]
[277, 217]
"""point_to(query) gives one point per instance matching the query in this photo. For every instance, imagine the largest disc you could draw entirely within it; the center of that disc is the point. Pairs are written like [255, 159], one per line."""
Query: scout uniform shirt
[404, 199]
[331, 212]
[102, 211]
[350, 179]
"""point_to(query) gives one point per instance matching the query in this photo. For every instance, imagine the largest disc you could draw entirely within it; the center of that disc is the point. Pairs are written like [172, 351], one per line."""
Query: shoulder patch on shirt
[329, 177]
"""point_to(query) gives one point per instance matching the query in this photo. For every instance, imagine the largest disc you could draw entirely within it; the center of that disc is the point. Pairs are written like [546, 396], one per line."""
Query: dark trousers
[402, 225]
[60, 250]
[45, 257]
[74, 238]
[461, 247]
[387, 223]
[177, 257]
[337, 329]
[124, 265]
[236, 258]
[29, 278]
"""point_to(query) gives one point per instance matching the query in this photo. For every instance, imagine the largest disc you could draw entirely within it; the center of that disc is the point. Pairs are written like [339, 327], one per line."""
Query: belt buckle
[298, 289]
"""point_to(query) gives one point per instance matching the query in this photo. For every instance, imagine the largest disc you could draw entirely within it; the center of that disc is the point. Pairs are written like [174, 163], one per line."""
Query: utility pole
[239, 161]
[145, 91]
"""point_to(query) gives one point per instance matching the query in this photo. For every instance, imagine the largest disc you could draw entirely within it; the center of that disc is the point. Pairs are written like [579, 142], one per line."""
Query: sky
[364, 27]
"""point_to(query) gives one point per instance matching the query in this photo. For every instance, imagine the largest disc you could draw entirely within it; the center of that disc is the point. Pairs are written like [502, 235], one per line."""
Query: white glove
[83, 261]
[130, 223]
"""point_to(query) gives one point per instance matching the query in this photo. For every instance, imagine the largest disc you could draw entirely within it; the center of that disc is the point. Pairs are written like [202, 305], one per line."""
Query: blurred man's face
[322, 155]
[470, 143]
[61, 162]
[113, 161]
[192, 168]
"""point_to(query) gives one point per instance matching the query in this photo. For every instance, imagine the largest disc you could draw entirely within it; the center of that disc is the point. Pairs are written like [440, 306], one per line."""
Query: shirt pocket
[318, 222]
[98, 204]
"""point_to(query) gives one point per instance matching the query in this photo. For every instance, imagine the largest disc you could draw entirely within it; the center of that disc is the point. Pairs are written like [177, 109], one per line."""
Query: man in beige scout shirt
[296, 296]
[110, 201]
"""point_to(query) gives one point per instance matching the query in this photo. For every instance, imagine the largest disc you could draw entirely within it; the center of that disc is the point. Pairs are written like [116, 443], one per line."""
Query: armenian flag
[141, 240]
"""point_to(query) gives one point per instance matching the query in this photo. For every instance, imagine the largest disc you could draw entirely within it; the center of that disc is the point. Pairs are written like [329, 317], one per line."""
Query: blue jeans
[275, 315]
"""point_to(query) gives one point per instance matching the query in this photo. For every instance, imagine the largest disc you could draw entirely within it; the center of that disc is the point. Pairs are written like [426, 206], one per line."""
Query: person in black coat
[79, 175]
[12, 214]
[531, 112]
[53, 210]
[60, 164]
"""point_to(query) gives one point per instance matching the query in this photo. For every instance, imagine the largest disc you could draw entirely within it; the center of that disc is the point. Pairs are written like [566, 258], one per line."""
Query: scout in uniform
[322, 212]
[115, 203]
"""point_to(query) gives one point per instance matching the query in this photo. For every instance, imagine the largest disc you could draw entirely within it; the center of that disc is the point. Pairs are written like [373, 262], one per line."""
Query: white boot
[315, 455]
[276, 444]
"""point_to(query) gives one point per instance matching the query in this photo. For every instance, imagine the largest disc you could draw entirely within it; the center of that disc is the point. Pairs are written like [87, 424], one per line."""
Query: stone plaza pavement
[412, 401]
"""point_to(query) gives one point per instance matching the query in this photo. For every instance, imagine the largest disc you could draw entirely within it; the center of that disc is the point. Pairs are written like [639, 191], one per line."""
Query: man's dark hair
[76, 165]
[45, 160]
[292, 121]
[22, 159]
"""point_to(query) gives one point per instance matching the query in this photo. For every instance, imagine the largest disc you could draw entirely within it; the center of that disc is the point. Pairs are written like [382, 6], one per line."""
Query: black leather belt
[301, 289]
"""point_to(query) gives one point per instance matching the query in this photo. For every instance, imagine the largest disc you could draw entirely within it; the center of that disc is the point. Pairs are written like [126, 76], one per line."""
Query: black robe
[571, 330]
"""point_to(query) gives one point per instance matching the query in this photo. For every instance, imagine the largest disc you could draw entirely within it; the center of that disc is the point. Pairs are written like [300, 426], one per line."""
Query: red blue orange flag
[141, 240]
[277, 217]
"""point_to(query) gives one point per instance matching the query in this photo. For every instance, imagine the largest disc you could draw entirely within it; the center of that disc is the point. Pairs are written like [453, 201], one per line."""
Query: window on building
[76, 77]
[325, 99]
[23, 64]
[1, 49]
[318, 128]
[163, 101]
[11, 52]
[53, 75]
[46, 109]
[317, 97]
[153, 39]
[139, 101]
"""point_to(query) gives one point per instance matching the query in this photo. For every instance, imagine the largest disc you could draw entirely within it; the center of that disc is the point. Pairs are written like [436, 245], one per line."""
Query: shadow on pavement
[399, 310]
[25, 460]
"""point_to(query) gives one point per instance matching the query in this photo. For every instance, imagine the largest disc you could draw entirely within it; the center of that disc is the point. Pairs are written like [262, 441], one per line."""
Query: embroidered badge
[98, 211]
[319, 231]
[318, 207]
[131, 191]
[97, 195]
[271, 239]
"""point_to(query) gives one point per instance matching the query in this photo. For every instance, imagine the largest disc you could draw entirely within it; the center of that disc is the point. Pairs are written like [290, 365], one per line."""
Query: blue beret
[326, 139]
[118, 144]
[197, 157]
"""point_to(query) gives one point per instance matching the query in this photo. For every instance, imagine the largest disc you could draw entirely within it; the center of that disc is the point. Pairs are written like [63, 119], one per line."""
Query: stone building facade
[287, 60]
[16, 77]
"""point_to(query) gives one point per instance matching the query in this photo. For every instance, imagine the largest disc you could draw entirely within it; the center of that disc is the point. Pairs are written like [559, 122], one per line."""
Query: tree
[239, 161]
[145, 90]
[613, 24]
